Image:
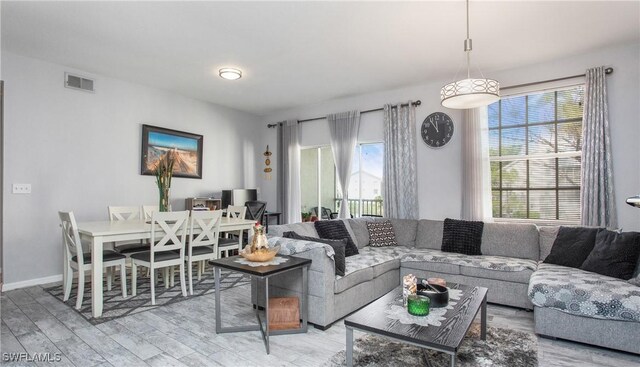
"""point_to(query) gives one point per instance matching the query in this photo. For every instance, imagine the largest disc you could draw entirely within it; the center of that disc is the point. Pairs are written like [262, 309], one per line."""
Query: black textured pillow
[462, 236]
[572, 246]
[614, 254]
[338, 247]
[336, 230]
[381, 234]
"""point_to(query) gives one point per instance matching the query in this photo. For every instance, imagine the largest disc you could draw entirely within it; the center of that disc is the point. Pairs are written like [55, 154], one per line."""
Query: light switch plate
[22, 188]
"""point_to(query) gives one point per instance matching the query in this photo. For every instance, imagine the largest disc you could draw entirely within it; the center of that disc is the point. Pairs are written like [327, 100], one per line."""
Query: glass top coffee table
[444, 335]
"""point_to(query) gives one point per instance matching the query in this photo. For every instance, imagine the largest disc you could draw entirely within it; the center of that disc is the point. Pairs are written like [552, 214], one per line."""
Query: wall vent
[78, 82]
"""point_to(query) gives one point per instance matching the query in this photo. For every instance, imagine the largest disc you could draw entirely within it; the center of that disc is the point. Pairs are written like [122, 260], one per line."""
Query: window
[319, 187]
[365, 185]
[535, 149]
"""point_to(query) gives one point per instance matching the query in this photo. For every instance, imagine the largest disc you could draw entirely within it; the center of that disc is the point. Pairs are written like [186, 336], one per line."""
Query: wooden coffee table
[445, 338]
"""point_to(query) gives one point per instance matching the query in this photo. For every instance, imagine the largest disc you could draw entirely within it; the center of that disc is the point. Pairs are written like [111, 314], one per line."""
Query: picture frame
[156, 141]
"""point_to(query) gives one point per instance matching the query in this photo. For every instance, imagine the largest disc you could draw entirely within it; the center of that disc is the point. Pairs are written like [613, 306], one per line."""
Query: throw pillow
[572, 246]
[381, 234]
[337, 245]
[462, 236]
[336, 230]
[614, 254]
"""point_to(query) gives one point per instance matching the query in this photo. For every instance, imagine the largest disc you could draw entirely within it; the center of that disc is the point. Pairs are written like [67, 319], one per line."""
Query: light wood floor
[183, 334]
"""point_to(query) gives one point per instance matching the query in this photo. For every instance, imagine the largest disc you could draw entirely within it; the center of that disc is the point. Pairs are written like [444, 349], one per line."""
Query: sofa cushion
[495, 263]
[429, 234]
[419, 259]
[381, 259]
[614, 254]
[304, 229]
[352, 277]
[381, 234]
[584, 293]
[406, 231]
[462, 236]
[337, 245]
[511, 240]
[547, 238]
[336, 230]
[572, 246]
[522, 276]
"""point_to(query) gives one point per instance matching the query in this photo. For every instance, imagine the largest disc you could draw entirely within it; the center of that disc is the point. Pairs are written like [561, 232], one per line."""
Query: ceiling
[298, 53]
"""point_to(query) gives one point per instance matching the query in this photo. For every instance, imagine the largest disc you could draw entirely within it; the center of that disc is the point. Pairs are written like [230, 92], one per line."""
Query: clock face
[437, 129]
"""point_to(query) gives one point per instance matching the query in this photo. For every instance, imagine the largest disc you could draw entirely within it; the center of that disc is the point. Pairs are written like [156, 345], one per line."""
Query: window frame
[527, 189]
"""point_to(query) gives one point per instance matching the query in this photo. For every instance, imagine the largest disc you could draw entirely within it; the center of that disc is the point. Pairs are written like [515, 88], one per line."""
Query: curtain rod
[607, 71]
[416, 104]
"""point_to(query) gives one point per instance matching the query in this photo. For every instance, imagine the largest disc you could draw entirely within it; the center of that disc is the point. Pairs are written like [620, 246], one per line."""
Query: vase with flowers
[164, 173]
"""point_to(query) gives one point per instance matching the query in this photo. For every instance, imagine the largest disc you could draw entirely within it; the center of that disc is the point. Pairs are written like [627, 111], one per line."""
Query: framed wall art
[186, 148]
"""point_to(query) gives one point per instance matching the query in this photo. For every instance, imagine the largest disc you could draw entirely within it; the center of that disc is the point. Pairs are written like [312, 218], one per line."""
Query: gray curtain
[476, 171]
[400, 173]
[597, 198]
[289, 202]
[344, 137]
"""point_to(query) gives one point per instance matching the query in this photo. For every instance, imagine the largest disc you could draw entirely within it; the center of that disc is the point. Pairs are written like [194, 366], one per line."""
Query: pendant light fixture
[470, 92]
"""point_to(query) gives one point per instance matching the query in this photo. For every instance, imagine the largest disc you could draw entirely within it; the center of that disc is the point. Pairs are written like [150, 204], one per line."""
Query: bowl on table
[439, 298]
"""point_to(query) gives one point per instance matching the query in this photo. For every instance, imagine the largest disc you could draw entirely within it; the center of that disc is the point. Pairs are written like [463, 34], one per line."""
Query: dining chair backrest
[208, 224]
[255, 210]
[70, 236]
[168, 231]
[148, 210]
[124, 213]
[236, 211]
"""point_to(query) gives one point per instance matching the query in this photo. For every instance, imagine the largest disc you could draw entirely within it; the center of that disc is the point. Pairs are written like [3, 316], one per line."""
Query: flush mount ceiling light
[469, 92]
[230, 73]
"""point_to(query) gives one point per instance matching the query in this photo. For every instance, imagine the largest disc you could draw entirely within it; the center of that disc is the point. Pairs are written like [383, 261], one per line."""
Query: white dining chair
[202, 246]
[78, 259]
[166, 249]
[148, 210]
[127, 213]
[229, 243]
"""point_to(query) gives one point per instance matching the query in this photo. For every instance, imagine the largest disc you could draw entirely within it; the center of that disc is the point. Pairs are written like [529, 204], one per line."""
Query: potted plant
[306, 217]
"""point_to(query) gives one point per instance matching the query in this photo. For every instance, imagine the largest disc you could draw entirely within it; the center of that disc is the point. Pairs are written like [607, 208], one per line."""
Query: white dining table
[104, 232]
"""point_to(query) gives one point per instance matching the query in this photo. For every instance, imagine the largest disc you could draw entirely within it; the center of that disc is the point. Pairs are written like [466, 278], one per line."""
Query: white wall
[439, 170]
[81, 151]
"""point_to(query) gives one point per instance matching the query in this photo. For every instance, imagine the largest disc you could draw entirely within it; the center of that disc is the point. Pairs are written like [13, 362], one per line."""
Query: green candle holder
[418, 305]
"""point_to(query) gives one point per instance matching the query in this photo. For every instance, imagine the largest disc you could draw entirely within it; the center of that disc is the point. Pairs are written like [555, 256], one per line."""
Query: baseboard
[31, 282]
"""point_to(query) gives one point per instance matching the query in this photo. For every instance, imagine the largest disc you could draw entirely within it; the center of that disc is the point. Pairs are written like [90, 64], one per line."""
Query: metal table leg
[349, 356]
[305, 289]
[453, 360]
[483, 319]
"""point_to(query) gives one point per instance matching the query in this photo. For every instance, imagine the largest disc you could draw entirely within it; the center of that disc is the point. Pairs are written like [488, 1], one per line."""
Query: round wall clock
[437, 129]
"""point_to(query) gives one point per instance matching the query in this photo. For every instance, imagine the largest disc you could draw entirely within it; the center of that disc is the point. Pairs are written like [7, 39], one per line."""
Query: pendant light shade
[470, 92]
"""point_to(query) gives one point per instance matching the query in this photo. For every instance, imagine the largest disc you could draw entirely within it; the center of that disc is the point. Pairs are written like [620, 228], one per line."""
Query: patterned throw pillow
[462, 236]
[381, 234]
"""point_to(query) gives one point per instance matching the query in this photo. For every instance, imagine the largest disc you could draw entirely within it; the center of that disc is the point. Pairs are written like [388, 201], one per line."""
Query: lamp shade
[470, 93]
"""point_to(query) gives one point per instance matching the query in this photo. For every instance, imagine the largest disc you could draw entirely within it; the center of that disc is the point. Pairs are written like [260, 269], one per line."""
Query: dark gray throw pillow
[336, 230]
[614, 254]
[572, 246]
[337, 245]
[462, 236]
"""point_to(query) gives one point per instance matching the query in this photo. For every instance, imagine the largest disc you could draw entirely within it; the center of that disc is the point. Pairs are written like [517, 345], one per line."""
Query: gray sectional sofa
[568, 303]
